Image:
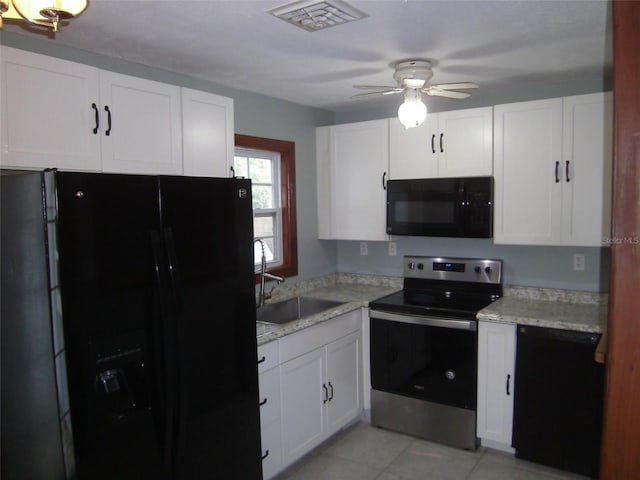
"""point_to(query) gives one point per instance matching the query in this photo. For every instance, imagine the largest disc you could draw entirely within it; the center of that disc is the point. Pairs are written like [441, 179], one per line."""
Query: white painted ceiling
[238, 44]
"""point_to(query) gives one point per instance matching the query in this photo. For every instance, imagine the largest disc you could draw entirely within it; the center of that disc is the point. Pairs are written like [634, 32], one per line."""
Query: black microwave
[441, 207]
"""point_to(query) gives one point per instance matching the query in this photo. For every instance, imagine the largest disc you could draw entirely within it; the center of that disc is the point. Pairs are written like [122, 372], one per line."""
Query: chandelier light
[413, 111]
[42, 13]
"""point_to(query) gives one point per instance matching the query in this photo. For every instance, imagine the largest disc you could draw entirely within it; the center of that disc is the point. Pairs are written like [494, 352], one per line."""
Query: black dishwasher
[559, 390]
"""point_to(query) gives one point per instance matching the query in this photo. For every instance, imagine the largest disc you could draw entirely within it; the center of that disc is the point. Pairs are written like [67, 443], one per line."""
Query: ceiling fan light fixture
[412, 112]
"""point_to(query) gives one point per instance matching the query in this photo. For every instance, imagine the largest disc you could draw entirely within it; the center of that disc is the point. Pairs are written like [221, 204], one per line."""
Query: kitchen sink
[293, 309]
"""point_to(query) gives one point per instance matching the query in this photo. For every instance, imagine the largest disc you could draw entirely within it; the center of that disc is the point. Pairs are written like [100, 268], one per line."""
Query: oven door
[426, 358]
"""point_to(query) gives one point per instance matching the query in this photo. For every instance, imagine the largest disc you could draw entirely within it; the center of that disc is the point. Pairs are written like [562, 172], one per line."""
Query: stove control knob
[420, 266]
[477, 270]
[411, 265]
[487, 270]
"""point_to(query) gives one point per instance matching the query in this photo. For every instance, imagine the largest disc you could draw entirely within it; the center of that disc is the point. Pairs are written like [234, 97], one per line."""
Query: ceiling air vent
[313, 15]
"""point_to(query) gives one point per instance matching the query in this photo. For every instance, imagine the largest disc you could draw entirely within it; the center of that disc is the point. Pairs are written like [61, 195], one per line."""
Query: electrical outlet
[393, 250]
[578, 261]
[364, 248]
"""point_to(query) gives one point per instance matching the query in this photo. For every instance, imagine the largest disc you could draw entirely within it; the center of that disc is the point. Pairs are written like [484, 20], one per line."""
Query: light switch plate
[364, 248]
[578, 262]
[393, 249]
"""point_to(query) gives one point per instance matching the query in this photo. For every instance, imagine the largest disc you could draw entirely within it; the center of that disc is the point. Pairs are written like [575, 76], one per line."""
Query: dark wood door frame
[621, 436]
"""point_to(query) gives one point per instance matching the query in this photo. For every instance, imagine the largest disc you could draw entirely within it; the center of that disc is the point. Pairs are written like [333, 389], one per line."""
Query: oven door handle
[426, 321]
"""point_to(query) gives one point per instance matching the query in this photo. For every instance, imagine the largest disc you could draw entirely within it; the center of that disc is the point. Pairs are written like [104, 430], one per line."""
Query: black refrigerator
[128, 328]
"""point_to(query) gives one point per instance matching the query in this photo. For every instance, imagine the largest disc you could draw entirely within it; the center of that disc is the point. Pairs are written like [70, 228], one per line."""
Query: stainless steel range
[424, 348]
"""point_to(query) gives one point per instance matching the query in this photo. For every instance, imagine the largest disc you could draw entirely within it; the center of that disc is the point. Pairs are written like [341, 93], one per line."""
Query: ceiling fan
[412, 77]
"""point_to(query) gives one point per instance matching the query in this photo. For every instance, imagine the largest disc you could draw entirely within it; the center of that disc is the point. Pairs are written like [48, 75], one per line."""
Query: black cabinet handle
[566, 171]
[508, 383]
[262, 402]
[433, 143]
[233, 172]
[95, 108]
[384, 181]
[266, 454]
[106, 109]
[326, 394]
[262, 359]
[557, 166]
[331, 394]
[441, 147]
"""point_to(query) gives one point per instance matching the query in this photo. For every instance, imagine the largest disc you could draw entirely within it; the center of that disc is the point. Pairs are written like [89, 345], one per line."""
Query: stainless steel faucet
[262, 296]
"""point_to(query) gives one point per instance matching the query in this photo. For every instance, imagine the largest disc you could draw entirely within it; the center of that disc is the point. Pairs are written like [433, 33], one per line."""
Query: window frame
[286, 149]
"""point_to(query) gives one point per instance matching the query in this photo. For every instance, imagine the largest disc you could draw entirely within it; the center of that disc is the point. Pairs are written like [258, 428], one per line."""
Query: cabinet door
[359, 165]
[413, 152]
[465, 142]
[586, 172]
[142, 133]
[47, 114]
[207, 134]
[269, 386]
[528, 193]
[496, 367]
[344, 381]
[303, 395]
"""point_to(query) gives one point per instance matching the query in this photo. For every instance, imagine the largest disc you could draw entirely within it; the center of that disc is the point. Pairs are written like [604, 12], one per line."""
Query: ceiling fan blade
[436, 92]
[455, 86]
[383, 92]
[378, 87]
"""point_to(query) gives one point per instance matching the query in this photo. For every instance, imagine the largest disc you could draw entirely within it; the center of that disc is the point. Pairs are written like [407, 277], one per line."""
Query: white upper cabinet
[457, 143]
[587, 155]
[142, 133]
[60, 114]
[207, 134]
[411, 154]
[48, 118]
[352, 173]
[553, 171]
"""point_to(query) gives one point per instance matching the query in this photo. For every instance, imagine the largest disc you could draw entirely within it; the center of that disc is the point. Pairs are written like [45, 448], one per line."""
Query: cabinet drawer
[309, 339]
[269, 384]
[267, 356]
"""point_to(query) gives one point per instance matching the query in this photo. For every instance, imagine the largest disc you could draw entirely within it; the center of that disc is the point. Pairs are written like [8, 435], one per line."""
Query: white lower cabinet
[319, 389]
[269, 400]
[496, 380]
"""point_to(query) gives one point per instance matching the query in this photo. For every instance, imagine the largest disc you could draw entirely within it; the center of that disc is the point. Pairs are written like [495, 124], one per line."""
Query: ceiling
[236, 43]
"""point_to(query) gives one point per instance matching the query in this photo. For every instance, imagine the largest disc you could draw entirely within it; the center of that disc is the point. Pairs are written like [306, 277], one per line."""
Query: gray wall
[268, 117]
[550, 267]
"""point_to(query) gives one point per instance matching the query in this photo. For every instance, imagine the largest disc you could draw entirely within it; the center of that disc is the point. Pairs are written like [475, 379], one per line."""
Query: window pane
[262, 196]
[261, 170]
[263, 227]
[268, 251]
[240, 166]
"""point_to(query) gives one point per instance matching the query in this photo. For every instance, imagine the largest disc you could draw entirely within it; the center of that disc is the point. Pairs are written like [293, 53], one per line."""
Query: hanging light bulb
[43, 13]
[413, 111]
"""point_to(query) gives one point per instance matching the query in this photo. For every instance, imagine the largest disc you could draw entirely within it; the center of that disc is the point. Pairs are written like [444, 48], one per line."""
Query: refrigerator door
[31, 435]
[208, 231]
[110, 312]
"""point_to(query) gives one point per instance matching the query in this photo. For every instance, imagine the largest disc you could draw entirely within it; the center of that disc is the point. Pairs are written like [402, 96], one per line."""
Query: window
[270, 164]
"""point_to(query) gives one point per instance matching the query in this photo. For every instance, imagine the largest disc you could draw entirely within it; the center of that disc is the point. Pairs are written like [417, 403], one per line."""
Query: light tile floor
[363, 452]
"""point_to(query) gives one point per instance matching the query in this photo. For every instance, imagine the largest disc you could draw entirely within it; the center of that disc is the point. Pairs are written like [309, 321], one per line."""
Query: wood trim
[287, 150]
[621, 436]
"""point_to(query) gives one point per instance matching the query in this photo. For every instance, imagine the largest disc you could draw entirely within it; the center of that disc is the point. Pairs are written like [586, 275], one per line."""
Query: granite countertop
[562, 309]
[356, 291]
